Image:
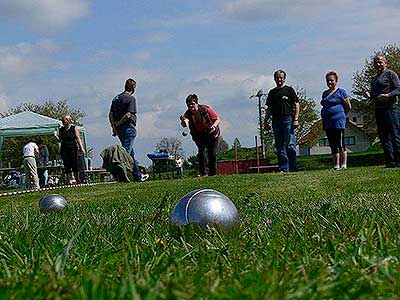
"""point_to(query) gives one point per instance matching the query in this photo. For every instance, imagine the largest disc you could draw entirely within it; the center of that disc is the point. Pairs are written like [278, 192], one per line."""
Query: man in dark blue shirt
[122, 118]
[385, 88]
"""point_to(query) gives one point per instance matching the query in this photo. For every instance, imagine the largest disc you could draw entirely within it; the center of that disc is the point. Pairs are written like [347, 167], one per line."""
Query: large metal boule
[205, 207]
[53, 202]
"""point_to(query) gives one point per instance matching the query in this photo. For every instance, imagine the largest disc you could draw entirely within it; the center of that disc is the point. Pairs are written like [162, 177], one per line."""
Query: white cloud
[261, 10]
[230, 83]
[25, 58]
[44, 15]
[148, 127]
[4, 102]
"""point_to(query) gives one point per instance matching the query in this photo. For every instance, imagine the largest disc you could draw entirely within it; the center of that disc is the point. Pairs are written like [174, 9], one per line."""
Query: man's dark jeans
[388, 125]
[285, 142]
[127, 134]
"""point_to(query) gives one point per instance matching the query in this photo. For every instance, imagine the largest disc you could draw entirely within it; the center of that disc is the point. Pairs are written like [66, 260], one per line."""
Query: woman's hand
[184, 121]
[383, 97]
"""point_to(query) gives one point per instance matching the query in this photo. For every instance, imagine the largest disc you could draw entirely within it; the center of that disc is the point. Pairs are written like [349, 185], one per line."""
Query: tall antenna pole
[259, 95]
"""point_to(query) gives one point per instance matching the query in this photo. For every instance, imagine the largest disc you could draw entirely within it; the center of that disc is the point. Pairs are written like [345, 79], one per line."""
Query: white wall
[361, 143]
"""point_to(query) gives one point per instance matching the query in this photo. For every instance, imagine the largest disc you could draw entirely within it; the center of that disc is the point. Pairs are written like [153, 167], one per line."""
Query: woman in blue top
[335, 106]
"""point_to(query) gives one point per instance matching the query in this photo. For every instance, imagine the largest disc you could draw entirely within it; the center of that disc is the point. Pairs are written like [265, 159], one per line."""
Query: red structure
[226, 167]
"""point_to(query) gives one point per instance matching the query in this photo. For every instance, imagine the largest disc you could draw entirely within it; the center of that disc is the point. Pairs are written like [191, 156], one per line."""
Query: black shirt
[122, 104]
[67, 137]
[282, 101]
[386, 82]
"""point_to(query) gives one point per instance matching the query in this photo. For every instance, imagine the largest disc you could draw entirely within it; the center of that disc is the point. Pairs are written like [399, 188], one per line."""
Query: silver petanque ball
[53, 202]
[205, 207]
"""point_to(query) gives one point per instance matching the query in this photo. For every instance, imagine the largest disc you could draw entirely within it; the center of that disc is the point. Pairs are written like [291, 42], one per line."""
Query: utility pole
[259, 95]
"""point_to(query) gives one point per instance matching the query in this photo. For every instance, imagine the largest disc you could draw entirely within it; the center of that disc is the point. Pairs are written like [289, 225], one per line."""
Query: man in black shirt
[122, 118]
[283, 106]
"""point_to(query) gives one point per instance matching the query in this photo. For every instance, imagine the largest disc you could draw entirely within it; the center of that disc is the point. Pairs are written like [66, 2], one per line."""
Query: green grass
[312, 235]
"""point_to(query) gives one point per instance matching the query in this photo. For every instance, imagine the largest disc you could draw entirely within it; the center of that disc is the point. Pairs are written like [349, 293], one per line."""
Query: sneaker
[390, 165]
[144, 177]
[337, 168]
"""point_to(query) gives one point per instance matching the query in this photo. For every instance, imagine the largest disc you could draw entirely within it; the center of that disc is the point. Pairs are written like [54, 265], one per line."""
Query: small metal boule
[205, 207]
[53, 202]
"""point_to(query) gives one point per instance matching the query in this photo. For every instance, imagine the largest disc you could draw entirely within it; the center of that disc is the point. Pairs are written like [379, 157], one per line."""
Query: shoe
[390, 166]
[144, 177]
[337, 168]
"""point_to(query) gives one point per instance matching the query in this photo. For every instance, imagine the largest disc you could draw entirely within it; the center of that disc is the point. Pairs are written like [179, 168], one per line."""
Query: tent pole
[1, 150]
[84, 141]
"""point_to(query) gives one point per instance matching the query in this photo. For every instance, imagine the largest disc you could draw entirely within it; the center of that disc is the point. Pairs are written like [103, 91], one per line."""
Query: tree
[171, 146]
[192, 160]
[222, 145]
[362, 81]
[307, 116]
[236, 143]
[12, 148]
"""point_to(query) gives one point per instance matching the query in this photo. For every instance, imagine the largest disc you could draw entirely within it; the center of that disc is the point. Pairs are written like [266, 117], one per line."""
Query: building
[356, 138]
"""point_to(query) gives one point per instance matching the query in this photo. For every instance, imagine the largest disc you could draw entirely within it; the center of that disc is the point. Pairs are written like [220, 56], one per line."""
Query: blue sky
[224, 51]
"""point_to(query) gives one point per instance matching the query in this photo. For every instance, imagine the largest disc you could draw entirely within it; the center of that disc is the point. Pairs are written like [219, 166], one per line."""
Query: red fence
[228, 166]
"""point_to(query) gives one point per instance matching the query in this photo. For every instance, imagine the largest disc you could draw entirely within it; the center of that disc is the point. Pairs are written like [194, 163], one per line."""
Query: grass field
[311, 235]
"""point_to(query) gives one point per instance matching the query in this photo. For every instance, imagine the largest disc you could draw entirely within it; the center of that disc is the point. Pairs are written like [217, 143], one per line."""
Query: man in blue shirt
[123, 118]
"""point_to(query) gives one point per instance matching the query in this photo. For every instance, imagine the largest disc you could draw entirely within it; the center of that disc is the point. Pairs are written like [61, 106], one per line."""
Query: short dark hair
[280, 71]
[130, 85]
[192, 98]
[379, 55]
[332, 73]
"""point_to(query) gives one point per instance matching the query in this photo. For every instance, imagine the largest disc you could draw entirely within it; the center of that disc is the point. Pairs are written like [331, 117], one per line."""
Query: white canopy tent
[28, 123]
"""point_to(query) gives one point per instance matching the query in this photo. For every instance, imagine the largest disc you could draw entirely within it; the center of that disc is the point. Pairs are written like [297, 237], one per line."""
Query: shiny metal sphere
[205, 207]
[53, 202]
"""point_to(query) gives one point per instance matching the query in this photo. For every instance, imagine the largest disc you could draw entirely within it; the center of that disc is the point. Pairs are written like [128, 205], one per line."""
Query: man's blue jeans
[127, 134]
[285, 142]
[388, 123]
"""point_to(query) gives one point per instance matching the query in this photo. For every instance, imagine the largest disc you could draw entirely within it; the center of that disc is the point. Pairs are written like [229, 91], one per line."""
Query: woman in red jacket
[203, 123]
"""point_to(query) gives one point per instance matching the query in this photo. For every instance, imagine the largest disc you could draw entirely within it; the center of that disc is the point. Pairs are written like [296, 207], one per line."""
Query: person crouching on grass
[335, 106]
[203, 123]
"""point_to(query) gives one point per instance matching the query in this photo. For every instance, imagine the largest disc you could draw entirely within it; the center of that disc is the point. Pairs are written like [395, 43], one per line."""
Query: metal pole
[261, 129]
[236, 160]
[258, 156]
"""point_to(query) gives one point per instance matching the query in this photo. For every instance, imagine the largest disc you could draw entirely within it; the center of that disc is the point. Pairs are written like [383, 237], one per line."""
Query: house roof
[317, 129]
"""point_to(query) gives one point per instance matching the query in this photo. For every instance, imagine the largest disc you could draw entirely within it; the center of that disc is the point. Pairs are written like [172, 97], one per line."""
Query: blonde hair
[67, 118]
